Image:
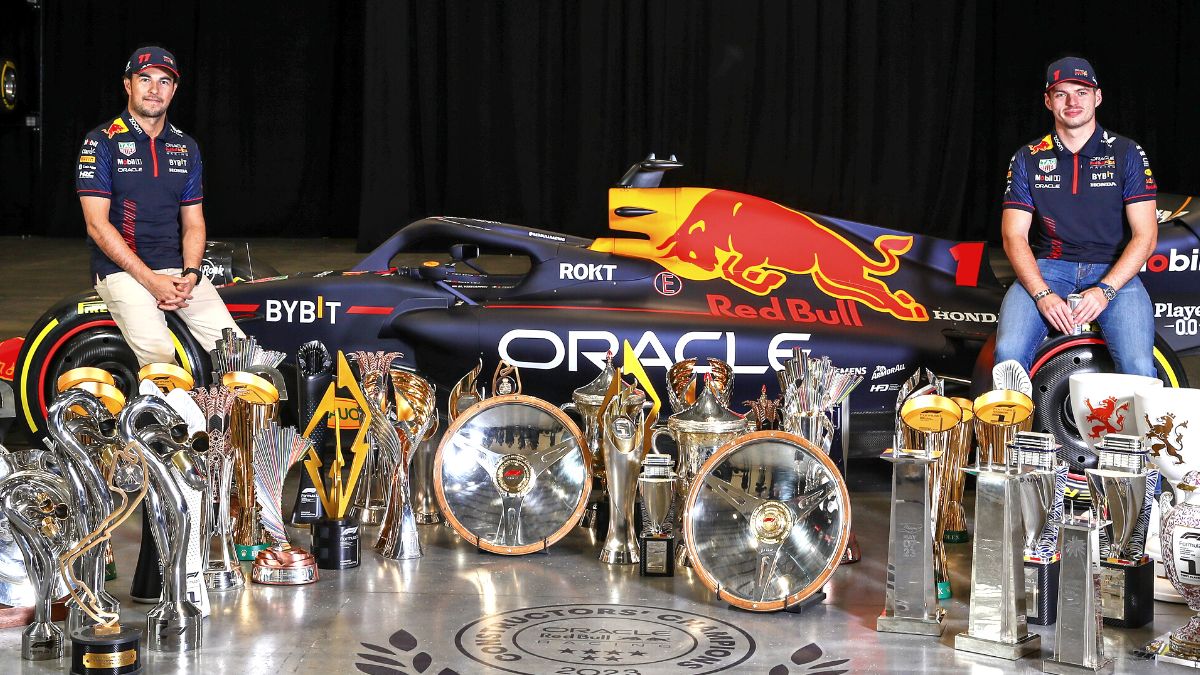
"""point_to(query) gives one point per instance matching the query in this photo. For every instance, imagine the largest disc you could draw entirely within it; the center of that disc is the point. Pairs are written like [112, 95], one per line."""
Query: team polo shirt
[147, 180]
[1079, 198]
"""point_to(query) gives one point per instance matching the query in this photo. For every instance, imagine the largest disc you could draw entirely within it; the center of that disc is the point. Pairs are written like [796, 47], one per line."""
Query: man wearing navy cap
[1093, 196]
[139, 182]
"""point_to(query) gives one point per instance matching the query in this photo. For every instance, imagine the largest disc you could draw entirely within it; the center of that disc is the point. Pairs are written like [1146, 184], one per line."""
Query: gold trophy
[255, 408]
[952, 520]
[369, 496]
[999, 415]
[928, 423]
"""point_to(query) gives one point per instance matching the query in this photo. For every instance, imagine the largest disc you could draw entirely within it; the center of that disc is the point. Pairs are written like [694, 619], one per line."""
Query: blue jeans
[1127, 323]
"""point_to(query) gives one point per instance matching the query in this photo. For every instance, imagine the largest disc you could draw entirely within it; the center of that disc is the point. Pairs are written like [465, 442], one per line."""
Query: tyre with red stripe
[77, 332]
[1053, 366]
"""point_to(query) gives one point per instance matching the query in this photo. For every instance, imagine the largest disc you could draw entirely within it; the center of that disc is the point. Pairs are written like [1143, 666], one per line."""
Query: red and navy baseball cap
[1071, 69]
[151, 57]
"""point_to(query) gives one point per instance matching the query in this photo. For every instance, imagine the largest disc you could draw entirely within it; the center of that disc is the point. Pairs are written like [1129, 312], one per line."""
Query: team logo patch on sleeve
[117, 127]
[126, 148]
[1044, 144]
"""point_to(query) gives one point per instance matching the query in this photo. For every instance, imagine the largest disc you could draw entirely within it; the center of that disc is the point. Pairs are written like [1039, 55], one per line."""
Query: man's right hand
[1057, 312]
[163, 288]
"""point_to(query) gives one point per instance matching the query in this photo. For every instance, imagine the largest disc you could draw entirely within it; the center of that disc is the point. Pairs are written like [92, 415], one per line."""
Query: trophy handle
[1166, 504]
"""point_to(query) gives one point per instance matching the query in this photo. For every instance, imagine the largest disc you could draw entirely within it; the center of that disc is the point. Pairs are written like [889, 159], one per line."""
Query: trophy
[222, 572]
[275, 451]
[1180, 532]
[42, 519]
[999, 415]
[657, 488]
[335, 539]
[1122, 489]
[369, 498]
[927, 423]
[1043, 483]
[622, 428]
[513, 475]
[314, 370]
[910, 602]
[767, 521]
[586, 402]
[17, 594]
[1102, 403]
[698, 431]
[997, 623]
[952, 519]
[172, 459]
[1079, 635]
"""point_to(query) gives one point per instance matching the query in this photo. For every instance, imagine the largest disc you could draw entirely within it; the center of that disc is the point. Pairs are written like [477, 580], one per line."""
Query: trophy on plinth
[335, 538]
[1180, 534]
[42, 519]
[1122, 489]
[657, 488]
[1079, 633]
[997, 625]
[276, 449]
[222, 571]
[586, 401]
[172, 460]
[314, 371]
[698, 430]
[399, 437]
[1043, 483]
[910, 601]
[928, 423]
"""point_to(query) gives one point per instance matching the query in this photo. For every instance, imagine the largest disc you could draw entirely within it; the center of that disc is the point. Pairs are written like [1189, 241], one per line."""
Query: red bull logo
[117, 127]
[1046, 143]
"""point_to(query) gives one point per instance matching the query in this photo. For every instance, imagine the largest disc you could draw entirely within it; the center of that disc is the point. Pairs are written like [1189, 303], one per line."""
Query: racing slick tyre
[1055, 363]
[79, 331]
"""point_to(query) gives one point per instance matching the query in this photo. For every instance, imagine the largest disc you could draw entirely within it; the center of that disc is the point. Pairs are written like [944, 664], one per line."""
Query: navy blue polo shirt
[1079, 198]
[147, 181]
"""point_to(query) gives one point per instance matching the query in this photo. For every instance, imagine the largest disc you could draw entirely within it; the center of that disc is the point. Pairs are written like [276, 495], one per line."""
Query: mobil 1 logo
[603, 639]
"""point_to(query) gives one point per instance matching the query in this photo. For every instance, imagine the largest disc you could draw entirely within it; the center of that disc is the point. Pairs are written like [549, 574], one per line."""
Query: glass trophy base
[224, 580]
[911, 625]
[106, 654]
[248, 553]
[1041, 592]
[1127, 594]
[658, 556]
[1064, 668]
[1030, 644]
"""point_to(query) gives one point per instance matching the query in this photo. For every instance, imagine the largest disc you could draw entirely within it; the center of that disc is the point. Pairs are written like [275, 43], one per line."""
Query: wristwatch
[200, 275]
[1109, 292]
[1045, 292]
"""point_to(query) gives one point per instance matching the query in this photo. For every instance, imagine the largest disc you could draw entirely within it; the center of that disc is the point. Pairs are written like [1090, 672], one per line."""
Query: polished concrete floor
[383, 616]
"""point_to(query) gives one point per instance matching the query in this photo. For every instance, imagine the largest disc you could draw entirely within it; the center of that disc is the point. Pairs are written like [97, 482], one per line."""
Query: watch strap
[1045, 292]
[190, 270]
[1109, 292]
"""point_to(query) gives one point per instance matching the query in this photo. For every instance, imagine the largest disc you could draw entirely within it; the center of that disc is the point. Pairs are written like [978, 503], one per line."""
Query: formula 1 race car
[690, 272]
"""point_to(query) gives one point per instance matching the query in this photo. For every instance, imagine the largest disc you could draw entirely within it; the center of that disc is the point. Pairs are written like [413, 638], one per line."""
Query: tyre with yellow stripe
[77, 332]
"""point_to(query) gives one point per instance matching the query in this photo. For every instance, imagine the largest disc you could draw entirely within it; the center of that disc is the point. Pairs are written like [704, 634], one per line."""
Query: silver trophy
[910, 602]
[222, 571]
[1043, 484]
[175, 624]
[1079, 633]
[622, 435]
[586, 401]
[42, 518]
[371, 493]
[698, 431]
[997, 625]
[656, 486]
[1122, 489]
[81, 437]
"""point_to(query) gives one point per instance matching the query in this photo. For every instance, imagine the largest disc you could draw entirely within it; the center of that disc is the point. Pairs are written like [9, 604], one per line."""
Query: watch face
[1110, 293]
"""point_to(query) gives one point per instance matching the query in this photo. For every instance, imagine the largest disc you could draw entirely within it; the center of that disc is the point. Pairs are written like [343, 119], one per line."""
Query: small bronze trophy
[657, 487]
[275, 451]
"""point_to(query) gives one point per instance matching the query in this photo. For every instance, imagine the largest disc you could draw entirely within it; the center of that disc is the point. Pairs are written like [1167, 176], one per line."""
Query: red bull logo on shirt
[117, 127]
[1046, 143]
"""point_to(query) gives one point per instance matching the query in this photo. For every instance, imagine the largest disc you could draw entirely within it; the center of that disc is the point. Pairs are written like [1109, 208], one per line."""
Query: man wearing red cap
[139, 182]
[1093, 194]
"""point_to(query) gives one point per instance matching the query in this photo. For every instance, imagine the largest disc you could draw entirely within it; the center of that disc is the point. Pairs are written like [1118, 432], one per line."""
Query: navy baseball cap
[151, 57]
[1071, 69]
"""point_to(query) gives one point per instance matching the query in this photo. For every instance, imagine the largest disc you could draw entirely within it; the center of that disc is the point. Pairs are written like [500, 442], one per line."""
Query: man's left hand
[1090, 307]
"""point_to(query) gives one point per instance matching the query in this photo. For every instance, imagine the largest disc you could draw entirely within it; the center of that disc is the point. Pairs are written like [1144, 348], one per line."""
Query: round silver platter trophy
[767, 521]
[512, 474]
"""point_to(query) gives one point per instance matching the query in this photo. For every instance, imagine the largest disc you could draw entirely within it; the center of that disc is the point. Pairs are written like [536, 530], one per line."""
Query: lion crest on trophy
[1158, 438]
[1103, 413]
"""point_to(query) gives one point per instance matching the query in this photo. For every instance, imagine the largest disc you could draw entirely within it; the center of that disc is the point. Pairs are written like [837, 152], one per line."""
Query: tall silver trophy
[175, 624]
[910, 602]
[1043, 485]
[1079, 633]
[586, 401]
[222, 570]
[1122, 489]
[623, 436]
[656, 486]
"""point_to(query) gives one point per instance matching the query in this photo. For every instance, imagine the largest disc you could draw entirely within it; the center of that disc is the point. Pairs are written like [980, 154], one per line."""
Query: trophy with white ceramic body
[1079, 633]
[1043, 482]
[1180, 532]
[910, 601]
[276, 449]
[1122, 489]
[928, 423]
[657, 488]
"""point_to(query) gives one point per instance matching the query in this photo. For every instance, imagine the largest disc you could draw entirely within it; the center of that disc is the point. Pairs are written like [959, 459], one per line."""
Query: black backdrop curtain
[353, 118]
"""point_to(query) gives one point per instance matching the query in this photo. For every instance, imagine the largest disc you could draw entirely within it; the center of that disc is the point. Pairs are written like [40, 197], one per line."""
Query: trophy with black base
[657, 487]
[1043, 482]
[1122, 490]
